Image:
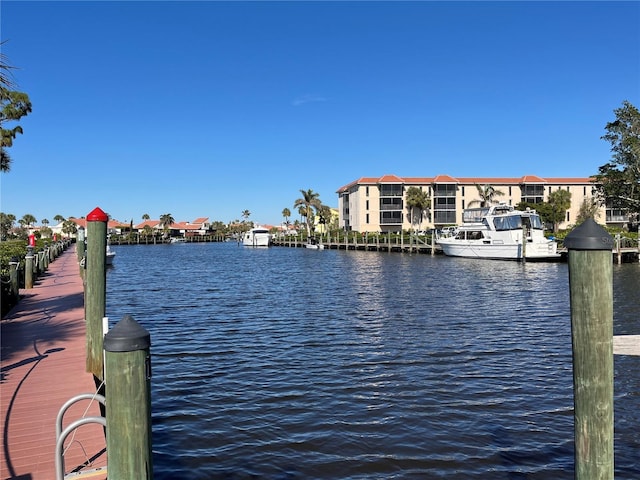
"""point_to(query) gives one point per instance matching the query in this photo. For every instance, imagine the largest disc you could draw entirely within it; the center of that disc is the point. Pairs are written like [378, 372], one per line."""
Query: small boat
[178, 240]
[500, 232]
[110, 255]
[256, 237]
[313, 244]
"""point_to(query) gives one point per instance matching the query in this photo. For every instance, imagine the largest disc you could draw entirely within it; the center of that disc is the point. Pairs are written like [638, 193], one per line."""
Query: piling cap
[127, 336]
[97, 215]
[589, 236]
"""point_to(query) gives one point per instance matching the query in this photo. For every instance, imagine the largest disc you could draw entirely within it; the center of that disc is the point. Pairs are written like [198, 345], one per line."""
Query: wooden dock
[43, 366]
[379, 244]
[621, 254]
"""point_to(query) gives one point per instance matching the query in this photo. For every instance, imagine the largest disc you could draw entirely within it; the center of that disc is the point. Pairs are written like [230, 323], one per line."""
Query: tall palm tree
[166, 220]
[418, 202]
[44, 222]
[309, 201]
[487, 195]
[145, 217]
[286, 213]
[246, 214]
[59, 218]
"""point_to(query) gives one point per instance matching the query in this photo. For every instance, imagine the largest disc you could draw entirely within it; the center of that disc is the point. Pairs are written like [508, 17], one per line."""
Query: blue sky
[211, 108]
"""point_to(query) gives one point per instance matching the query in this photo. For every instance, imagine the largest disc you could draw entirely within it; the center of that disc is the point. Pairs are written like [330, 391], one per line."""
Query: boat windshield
[474, 215]
[510, 222]
[536, 223]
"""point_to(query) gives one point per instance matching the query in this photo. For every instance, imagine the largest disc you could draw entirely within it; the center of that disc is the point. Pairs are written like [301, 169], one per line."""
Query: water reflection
[288, 363]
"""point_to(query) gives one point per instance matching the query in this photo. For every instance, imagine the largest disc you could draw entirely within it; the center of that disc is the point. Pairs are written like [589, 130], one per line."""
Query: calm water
[287, 363]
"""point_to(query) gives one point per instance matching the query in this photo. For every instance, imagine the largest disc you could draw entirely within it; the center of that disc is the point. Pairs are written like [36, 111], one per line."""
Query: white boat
[257, 237]
[178, 240]
[110, 255]
[313, 244]
[500, 232]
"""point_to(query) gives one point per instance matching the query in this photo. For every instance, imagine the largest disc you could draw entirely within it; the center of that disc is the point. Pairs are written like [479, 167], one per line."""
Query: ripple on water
[286, 363]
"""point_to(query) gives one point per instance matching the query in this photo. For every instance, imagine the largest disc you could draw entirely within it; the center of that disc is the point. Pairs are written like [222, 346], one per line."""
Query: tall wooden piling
[591, 299]
[128, 394]
[95, 292]
[14, 282]
[28, 268]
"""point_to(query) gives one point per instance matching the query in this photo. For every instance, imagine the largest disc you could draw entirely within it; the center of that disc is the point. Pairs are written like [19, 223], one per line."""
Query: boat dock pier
[377, 244]
[622, 252]
[43, 366]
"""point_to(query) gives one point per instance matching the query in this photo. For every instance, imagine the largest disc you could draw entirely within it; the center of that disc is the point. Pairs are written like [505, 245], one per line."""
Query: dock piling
[96, 289]
[591, 299]
[128, 380]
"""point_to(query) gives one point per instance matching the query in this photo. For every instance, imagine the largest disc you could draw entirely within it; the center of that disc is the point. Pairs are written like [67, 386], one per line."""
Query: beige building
[372, 204]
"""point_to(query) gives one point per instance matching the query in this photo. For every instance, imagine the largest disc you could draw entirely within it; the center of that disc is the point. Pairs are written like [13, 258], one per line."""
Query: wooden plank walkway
[43, 366]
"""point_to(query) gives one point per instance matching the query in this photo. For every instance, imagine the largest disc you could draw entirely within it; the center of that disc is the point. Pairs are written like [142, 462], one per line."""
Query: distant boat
[257, 237]
[178, 240]
[313, 244]
[110, 255]
[500, 232]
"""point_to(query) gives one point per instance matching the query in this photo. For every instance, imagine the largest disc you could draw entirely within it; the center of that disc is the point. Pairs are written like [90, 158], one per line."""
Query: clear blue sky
[210, 108]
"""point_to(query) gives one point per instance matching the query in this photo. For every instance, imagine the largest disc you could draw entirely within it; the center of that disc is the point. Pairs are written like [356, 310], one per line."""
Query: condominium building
[379, 204]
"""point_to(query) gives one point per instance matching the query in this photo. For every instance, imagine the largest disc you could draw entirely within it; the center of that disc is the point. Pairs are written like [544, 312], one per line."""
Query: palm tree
[487, 195]
[166, 220]
[28, 219]
[44, 222]
[417, 201]
[145, 217]
[286, 213]
[59, 218]
[306, 204]
[246, 214]
[6, 224]
[147, 231]
[69, 227]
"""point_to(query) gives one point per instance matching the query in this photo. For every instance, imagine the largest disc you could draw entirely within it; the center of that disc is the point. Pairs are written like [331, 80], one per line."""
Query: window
[366, 205]
[533, 193]
[390, 190]
[444, 203]
[394, 217]
[391, 203]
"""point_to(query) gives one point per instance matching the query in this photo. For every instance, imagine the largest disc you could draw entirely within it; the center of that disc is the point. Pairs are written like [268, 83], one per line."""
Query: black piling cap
[127, 336]
[589, 236]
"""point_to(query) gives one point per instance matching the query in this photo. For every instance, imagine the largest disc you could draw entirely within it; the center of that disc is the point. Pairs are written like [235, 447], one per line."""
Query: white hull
[514, 251]
[256, 237]
[313, 246]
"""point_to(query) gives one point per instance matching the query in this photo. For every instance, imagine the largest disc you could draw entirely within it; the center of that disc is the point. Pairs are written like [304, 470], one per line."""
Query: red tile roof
[442, 178]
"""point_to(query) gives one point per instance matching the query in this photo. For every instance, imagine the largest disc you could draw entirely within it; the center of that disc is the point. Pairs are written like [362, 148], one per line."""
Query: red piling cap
[97, 215]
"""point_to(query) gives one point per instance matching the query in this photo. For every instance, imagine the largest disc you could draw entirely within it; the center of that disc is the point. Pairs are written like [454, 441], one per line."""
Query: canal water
[286, 363]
